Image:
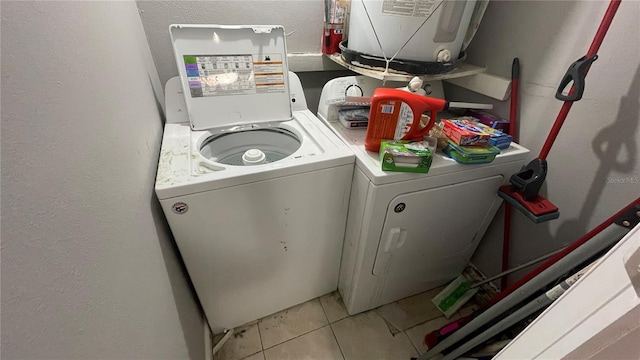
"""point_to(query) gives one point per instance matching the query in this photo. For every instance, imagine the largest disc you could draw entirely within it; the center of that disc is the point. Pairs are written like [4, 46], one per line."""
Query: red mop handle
[513, 108]
[593, 49]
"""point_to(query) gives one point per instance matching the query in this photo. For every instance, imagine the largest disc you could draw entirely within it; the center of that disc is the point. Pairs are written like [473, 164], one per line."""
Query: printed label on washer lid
[269, 73]
[242, 74]
[413, 8]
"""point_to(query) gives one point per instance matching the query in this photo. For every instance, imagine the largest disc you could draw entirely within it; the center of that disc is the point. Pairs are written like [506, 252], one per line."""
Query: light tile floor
[321, 329]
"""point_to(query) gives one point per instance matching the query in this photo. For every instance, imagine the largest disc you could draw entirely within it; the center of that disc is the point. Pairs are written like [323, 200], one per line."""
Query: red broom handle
[593, 49]
[513, 114]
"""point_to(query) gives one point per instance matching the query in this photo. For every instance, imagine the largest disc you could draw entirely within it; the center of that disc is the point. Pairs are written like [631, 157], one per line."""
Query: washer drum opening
[229, 148]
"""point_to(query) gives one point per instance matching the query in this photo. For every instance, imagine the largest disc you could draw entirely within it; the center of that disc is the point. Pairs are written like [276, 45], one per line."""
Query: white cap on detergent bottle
[415, 86]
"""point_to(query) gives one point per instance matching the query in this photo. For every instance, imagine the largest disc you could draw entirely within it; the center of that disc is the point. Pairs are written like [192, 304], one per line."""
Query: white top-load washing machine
[255, 188]
[407, 233]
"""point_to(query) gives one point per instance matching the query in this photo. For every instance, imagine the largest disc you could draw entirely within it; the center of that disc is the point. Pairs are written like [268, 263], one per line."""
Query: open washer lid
[232, 75]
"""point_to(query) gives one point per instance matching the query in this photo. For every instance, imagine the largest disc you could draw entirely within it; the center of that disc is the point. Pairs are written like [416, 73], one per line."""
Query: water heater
[417, 30]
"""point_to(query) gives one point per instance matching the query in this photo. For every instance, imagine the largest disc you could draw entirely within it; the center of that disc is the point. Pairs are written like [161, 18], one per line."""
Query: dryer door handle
[395, 238]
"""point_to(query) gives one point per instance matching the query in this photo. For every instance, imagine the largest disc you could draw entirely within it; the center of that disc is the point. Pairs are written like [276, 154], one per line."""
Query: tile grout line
[412, 344]
[331, 328]
[260, 335]
[337, 342]
[324, 311]
[295, 337]
[330, 324]
[310, 331]
[250, 355]
[327, 316]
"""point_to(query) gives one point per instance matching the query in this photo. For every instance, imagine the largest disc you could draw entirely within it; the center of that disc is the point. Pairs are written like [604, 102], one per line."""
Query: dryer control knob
[253, 157]
[353, 90]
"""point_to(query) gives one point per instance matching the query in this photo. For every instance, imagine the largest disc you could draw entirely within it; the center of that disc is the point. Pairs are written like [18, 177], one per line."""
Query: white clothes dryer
[408, 233]
[255, 188]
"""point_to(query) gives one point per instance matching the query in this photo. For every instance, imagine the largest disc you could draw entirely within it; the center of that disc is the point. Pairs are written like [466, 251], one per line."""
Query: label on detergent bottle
[395, 115]
[405, 121]
[393, 120]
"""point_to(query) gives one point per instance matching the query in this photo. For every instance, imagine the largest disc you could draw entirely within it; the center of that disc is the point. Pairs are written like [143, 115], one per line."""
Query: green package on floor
[405, 156]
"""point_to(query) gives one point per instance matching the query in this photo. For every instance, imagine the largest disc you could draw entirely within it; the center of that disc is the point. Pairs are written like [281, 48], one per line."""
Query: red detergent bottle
[395, 115]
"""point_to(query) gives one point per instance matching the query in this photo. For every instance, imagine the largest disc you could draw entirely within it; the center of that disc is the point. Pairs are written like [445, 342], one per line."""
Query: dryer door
[429, 236]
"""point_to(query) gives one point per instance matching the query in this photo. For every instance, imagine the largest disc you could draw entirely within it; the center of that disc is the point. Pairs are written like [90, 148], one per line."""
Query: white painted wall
[594, 168]
[89, 269]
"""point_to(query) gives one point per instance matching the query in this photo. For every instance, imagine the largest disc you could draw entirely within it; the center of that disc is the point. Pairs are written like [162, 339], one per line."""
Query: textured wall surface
[594, 166]
[89, 269]
[302, 20]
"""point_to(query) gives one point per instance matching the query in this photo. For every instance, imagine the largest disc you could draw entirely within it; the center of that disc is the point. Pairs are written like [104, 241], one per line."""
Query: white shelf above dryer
[493, 86]
[468, 76]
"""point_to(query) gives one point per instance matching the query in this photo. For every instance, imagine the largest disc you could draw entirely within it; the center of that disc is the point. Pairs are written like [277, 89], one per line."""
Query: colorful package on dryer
[471, 154]
[497, 138]
[354, 116]
[465, 132]
[490, 120]
[405, 156]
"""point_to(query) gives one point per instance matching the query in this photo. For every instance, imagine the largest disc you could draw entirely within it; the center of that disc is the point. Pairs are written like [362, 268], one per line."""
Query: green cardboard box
[405, 156]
